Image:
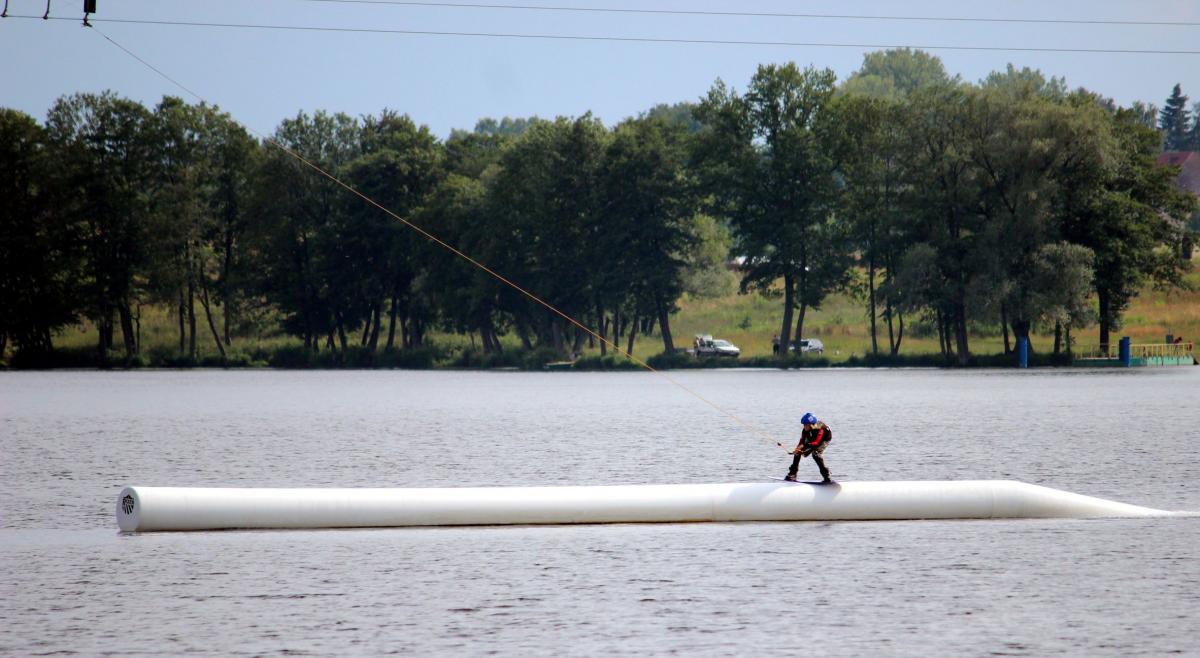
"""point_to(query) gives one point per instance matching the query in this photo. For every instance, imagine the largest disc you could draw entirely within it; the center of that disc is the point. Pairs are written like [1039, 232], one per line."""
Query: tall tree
[400, 167]
[1023, 144]
[1059, 278]
[545, 204]
[769, 158]
[869, 144]
[106, 153]
[202, 162]
[295, 228]
[468, 298]
[1125, 218]
[1174, 121]
[646, 216]
[941, 202]
[39, 256]
[232, 155]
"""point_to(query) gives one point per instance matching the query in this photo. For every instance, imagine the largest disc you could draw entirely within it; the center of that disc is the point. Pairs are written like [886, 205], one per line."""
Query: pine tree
[1174, 122]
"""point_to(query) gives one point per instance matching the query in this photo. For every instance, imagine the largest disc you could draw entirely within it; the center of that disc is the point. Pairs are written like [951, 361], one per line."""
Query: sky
[263, 76]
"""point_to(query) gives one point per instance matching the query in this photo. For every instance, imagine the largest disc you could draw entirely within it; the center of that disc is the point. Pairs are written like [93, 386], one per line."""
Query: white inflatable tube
[141, 509]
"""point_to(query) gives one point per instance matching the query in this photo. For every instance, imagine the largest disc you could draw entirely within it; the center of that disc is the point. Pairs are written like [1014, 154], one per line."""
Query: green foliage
[671, 361]
[36, 359]
[944, 209]
[471, 154]
[894, 74]
[417, 358]
[678, 114]
[298, 358]
[1144, 113]
[1059, 278]
[290, 357]
[1024, 83]
[608, 362]
[536, 359]
[487, 360]
[706, 273]
[900, 361]
[505, 127]
[1122, 214]
[163, 356]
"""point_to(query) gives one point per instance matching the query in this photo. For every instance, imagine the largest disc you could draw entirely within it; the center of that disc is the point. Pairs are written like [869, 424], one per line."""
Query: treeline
[113, 206]
[1012, 202]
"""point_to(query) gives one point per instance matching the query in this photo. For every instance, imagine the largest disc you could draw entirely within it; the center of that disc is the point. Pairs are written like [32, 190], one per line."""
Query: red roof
[1189, 164]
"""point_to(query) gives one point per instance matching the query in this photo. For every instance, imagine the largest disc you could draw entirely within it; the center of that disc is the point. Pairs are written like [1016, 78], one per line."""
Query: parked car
[706, 345]
[808, 345]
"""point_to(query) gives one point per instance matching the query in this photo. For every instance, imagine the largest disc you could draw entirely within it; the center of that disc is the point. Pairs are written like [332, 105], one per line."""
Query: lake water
[71, 584]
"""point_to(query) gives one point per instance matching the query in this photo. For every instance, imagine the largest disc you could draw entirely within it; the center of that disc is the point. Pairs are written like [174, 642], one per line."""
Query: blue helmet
[808, 419]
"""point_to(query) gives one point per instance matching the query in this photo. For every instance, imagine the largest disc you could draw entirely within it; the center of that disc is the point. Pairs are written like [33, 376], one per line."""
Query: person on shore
[813, 440]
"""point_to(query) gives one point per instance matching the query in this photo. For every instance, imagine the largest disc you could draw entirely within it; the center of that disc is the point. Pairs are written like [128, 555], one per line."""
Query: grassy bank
[748, 321]
[841, 324]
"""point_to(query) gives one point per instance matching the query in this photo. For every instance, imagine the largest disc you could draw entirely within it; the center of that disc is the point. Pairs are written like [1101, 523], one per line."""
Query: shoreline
[608, 364]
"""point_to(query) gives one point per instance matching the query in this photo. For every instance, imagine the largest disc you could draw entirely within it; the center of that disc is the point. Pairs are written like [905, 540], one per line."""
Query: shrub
[290, 356]
[357, 356]
[417, 358]
[166, 356]
[898, 361]
[72, 357]
[474, 358]
[241, 360]
[606, 362]
[76, 357]
[537, 358]
[665, 361]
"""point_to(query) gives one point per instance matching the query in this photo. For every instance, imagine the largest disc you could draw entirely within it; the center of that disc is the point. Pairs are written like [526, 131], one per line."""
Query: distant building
[1189, 164]
[1188, 181]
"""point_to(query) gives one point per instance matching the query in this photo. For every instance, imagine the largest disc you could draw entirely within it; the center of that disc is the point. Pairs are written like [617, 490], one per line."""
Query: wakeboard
[803, 481]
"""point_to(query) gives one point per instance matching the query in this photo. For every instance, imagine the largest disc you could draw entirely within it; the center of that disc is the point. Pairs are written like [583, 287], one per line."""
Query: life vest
[820, 433]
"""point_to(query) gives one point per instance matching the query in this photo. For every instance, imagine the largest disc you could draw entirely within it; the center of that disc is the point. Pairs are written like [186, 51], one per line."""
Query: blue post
[1022, 352]
[1126, 357]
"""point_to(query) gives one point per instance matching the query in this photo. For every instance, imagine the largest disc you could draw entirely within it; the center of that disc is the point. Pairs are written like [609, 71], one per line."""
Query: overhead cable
[436, 240]
[755, 14]
[662, 40]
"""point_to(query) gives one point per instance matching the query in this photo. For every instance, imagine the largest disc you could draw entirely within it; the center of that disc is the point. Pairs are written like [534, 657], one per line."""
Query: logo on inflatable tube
[127, 504]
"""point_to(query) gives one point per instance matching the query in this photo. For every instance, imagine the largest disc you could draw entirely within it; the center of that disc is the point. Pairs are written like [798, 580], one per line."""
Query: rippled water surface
[69, 583]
